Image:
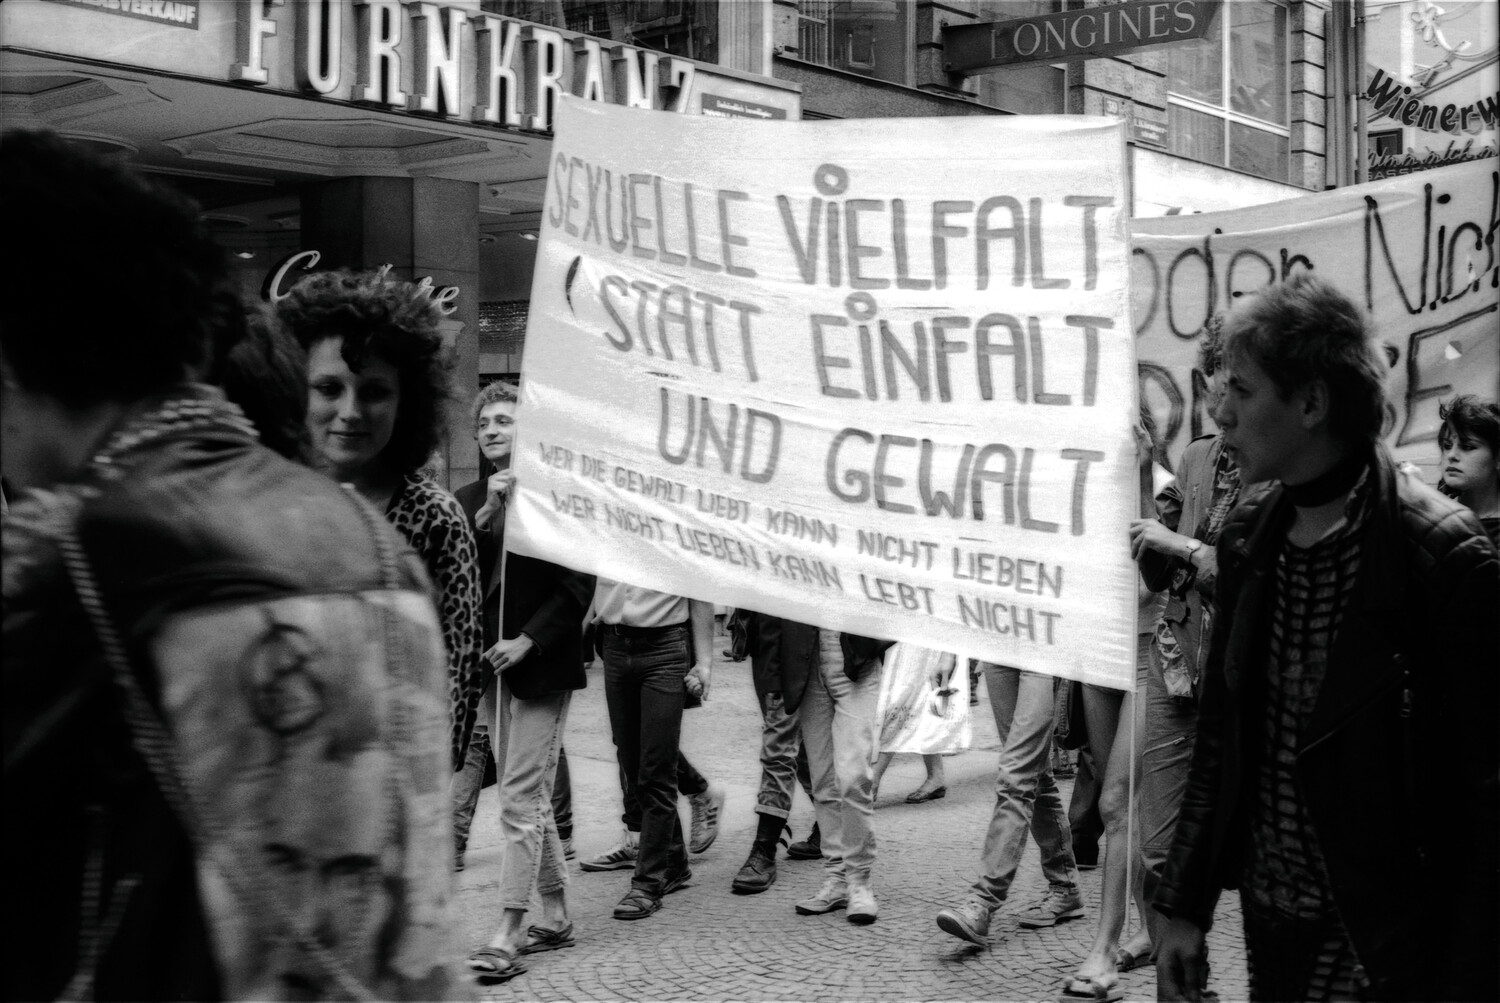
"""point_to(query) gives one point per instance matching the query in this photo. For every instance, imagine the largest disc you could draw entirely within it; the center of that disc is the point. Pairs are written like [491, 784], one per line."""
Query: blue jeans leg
[840, 734]
[562, 796]
[1026, 795]
[1167, 750]
[643, 680]
[689, 782]
[780, 749]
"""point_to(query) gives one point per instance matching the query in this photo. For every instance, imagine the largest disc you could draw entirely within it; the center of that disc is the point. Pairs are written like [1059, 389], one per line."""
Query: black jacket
[544, 601]
[1398, 764]
[784, 654]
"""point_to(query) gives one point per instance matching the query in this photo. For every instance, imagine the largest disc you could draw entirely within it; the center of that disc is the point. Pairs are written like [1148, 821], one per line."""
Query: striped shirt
[1284, 871]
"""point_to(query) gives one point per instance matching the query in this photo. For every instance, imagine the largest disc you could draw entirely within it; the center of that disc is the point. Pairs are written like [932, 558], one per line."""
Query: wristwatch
[1193, 546]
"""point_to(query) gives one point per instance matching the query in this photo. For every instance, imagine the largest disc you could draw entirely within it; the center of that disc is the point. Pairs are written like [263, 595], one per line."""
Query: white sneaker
[707, 807]
[833, 895]
[617, 858]
[862, 906]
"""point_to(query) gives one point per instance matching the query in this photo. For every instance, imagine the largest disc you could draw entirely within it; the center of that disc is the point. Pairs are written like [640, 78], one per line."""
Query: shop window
[1228, 92]
[868, 37]
[679, 27]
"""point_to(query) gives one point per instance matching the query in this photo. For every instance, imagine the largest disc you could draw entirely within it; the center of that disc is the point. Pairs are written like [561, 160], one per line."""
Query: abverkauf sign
[875, 375]
[179, 13]
[1415, 251]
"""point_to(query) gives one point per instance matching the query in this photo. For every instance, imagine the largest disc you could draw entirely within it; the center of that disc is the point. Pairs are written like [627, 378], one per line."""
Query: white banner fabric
[875, 375]
[1416, 251]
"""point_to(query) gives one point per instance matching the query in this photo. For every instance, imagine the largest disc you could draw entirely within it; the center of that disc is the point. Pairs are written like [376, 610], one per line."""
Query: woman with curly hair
[376, 390]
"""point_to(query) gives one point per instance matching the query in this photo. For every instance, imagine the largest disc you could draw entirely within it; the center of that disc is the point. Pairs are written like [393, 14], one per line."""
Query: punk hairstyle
[1303, 330]
[492, 393]
[375, 314]
[1468, 417]
[114, 289]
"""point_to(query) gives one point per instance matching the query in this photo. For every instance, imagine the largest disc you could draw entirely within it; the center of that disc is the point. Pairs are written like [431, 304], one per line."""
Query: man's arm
[701, 622]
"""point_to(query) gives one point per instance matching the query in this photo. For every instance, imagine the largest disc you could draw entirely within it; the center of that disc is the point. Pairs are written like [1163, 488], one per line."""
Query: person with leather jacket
[1355, 638]
[225, 721]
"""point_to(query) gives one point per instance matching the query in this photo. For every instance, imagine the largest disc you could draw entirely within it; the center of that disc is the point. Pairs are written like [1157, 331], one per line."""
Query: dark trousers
[562, 796]
[690, 783]
[1299, 959]
[1084, 820]
[643, 686]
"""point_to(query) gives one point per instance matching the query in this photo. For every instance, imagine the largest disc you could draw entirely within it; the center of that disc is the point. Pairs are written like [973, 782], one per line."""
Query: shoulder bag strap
[149, 736]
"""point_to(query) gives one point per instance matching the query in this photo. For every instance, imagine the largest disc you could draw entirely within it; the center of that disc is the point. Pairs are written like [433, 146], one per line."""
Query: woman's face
[351, 415]
[1468, 464]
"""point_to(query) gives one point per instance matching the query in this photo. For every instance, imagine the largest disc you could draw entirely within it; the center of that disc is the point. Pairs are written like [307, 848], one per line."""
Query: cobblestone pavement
[709, 944]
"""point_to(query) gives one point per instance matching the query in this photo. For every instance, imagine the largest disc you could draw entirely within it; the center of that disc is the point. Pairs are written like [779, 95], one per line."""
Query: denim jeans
[1167, 750]
[1083, 807]
[840, 733]
[527, 738]
[690, 783]
[1026, 795]
[466, 784]
[644, 670]
[783, 760]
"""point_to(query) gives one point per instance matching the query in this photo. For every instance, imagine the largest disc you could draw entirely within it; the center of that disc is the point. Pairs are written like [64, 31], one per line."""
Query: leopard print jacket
[434, 524]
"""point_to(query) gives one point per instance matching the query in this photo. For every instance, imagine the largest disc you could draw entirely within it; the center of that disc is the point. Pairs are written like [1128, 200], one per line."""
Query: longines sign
[445, 61]
[1074, 33]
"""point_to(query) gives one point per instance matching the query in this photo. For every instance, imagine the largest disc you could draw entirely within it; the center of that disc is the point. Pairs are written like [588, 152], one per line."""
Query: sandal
[1093, 988]
[1127, 962]
[928, 794]
[539, 938]
[495, 964]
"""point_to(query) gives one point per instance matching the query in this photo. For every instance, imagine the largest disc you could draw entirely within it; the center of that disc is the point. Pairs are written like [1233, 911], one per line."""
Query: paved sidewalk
[709, 944]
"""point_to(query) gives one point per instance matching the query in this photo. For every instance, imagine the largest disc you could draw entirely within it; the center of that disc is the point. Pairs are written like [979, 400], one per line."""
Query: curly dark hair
[114, 289]
[374, 314]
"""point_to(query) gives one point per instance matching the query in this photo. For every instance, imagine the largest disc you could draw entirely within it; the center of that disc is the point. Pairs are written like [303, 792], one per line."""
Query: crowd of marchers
[259, 664]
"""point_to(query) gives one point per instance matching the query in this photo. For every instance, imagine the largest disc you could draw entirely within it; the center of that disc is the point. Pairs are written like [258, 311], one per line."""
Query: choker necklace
[1332, 483]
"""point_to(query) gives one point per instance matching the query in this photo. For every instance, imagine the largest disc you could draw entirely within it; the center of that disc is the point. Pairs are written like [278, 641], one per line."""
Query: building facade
[418, 134]
[373, 132]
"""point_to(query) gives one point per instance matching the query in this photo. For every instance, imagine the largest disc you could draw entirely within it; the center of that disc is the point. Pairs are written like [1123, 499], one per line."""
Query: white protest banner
[875, 375]
[1416, 251]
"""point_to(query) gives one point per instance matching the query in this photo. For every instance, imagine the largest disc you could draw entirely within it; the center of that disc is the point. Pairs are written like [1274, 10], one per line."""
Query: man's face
[1264, 430]
[494, 431]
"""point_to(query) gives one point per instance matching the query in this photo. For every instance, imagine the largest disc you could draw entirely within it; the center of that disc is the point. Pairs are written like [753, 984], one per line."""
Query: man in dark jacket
[839, 732]
[225, 714]
[533, 631]
[1355, 641]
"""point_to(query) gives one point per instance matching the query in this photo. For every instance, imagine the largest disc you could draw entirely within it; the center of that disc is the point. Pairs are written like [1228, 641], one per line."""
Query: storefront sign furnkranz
[1073, 33]
[462, 66]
